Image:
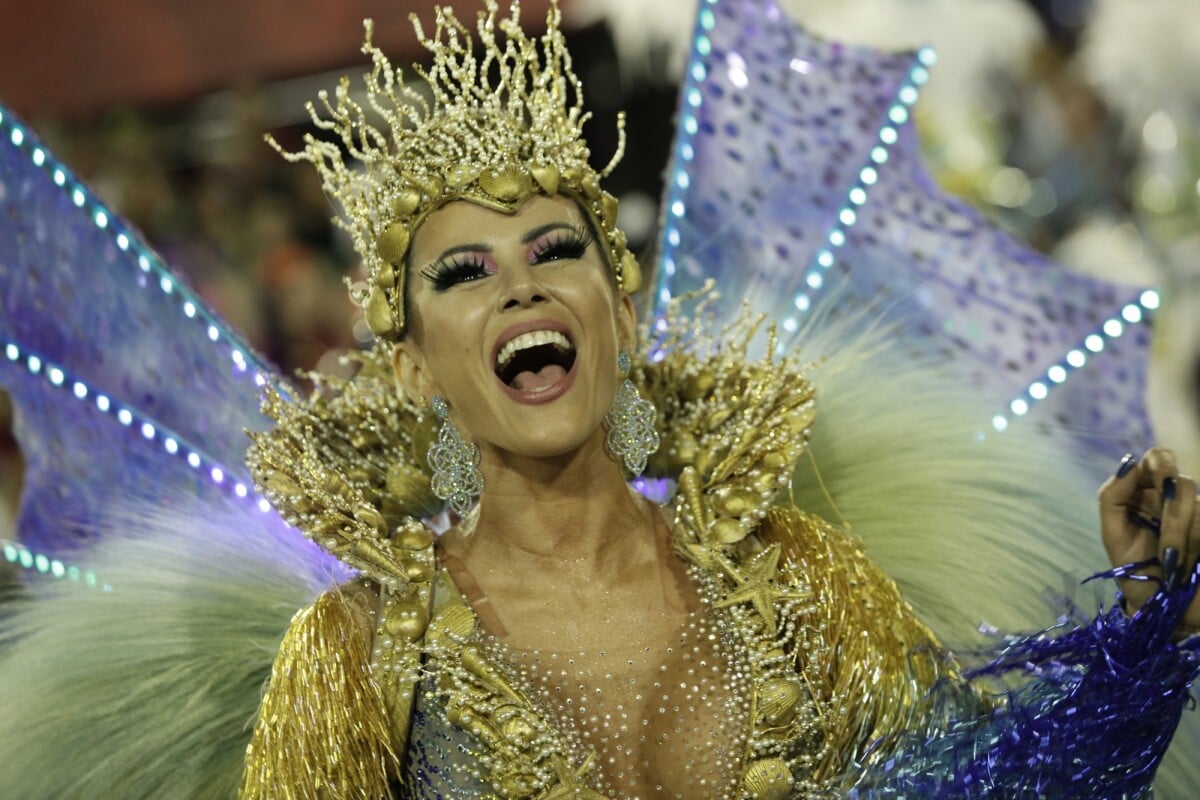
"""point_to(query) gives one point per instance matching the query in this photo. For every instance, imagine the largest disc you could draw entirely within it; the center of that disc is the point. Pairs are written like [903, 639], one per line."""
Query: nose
[521, 288]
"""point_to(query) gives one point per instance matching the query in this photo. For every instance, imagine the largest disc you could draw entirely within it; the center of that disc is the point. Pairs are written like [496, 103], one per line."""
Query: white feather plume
[975, 525]
[975, 528]
[150, 690]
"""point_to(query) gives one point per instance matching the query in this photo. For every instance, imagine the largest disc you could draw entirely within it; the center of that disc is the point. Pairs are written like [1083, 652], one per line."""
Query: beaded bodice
[660, 713]
[665, 718]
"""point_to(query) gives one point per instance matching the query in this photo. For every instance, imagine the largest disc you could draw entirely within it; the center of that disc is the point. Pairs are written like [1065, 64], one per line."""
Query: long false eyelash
[563, 243]
[445, 273]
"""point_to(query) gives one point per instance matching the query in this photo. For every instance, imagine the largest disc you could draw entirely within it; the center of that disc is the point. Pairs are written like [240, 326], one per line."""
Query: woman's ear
[408, 364]
[626, 323]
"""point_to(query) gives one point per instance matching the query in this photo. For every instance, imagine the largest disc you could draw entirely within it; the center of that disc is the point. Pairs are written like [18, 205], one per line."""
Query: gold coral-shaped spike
[721, 410]
[347, 466]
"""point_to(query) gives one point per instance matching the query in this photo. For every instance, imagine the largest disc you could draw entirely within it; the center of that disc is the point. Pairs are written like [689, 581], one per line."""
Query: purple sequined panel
[125, 385]
[797, 184]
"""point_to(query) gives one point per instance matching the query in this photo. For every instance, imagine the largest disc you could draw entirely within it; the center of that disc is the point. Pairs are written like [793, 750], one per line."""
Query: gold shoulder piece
[322, 729]
[732, 424]
[867, 658]
[347, 467]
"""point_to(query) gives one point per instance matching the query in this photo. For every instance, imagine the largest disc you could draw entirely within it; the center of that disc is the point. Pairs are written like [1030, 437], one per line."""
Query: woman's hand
[1148, 513]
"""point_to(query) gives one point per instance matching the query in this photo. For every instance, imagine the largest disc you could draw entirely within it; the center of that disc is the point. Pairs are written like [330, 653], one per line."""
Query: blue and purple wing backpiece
[797, 184]
[126, 387]
[132, 401]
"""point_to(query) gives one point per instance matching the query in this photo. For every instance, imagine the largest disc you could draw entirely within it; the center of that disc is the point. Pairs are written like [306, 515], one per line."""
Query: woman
[567, 637]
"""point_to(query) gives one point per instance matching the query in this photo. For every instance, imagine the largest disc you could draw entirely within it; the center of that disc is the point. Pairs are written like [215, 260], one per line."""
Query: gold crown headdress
[501, 127]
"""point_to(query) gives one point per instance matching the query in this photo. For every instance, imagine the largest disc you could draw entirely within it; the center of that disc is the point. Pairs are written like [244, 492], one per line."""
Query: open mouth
[535, 360]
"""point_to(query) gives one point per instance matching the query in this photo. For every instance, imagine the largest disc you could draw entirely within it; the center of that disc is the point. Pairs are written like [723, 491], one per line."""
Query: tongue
[528, 381]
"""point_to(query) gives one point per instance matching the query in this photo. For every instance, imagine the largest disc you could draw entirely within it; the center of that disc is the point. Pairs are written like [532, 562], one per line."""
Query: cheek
[603, 315]
[455, 330]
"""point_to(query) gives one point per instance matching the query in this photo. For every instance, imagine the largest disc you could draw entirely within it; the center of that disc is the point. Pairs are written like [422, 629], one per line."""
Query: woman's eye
[446, 274]
[561, 246]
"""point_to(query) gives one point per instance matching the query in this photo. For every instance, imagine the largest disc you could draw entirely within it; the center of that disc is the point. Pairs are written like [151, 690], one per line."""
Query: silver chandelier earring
[455, 463]
[632, 436]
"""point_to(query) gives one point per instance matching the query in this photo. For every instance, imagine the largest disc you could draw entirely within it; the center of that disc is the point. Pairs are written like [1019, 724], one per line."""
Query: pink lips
[536, 396]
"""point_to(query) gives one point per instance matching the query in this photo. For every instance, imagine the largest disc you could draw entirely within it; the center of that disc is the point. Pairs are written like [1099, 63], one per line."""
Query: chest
[666, 719]
[706, 704]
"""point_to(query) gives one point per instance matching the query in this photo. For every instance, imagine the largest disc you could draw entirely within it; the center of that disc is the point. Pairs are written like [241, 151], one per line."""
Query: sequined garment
[690, 715]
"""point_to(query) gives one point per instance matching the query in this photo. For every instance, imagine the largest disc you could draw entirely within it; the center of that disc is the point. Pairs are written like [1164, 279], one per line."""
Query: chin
[554, 442]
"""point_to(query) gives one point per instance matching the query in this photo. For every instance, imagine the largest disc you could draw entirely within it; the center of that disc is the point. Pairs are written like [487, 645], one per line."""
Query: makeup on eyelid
[550, 243]
[571, 241]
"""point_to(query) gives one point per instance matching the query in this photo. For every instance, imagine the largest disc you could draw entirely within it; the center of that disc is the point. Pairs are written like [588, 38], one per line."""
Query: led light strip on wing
[129, 243]
[1134, 313]
[889, 134]
[148, 429]
[21, 556]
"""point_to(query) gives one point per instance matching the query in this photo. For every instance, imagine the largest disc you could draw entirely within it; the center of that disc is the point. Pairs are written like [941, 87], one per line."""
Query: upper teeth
[531, 339]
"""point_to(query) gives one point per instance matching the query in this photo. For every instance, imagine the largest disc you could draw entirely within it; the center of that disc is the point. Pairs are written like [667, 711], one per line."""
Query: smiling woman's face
[513, 319]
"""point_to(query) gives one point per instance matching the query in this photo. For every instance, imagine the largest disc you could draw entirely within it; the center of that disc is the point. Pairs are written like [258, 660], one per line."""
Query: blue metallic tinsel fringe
[1097, 703]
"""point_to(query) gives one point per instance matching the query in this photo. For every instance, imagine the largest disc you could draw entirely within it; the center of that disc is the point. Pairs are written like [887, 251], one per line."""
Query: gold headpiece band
[501, 127]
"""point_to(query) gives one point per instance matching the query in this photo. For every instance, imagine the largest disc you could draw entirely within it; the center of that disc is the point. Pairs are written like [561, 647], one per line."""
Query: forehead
[462, 222]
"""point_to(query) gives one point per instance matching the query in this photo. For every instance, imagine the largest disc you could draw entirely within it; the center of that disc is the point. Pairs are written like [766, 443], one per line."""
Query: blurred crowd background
[1073, 123]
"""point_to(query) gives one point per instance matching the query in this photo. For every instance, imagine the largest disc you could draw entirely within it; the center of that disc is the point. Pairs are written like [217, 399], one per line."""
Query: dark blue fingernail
[1127, 463]
[1175, 578]
[1170, 560]
[1168, 492]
